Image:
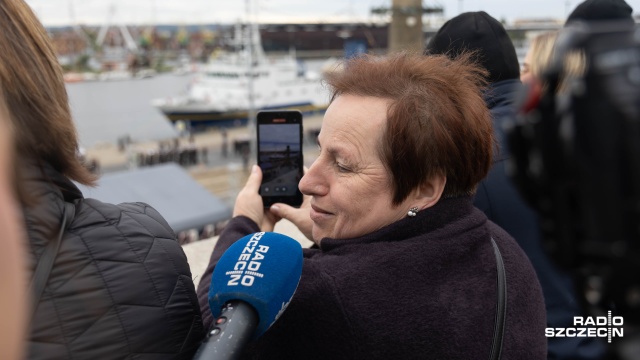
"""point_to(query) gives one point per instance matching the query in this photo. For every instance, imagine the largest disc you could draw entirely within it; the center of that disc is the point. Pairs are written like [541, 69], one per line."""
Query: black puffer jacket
[120, 287]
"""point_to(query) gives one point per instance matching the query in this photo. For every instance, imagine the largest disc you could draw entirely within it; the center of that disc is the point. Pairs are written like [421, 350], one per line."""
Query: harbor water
[105, 111]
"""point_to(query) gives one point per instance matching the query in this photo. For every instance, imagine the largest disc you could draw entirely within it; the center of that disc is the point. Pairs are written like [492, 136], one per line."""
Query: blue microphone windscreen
[262, 269]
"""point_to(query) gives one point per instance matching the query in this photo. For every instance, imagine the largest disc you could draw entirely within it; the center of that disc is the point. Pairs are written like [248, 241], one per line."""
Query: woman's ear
[429, 193]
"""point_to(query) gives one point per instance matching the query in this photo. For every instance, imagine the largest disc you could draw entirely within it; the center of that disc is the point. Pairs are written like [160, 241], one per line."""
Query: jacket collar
[445, 212]
[502, 93]
[51, 191]
[43, 175]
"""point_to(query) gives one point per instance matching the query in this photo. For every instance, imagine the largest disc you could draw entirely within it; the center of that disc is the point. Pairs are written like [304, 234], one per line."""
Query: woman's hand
[249, 202]
[299, 217]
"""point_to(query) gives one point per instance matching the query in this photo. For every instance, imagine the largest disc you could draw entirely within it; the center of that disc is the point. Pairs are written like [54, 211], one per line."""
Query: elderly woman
[404, 266]
[107, 281]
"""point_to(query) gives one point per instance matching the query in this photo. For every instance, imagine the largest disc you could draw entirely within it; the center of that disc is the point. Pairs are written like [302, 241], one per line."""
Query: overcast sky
[62, 12]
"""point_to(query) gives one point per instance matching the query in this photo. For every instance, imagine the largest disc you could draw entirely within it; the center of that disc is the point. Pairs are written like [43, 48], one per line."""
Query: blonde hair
[542, 48]
[35, 94]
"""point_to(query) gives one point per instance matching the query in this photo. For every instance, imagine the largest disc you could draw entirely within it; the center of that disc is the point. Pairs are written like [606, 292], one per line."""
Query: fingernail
[254, 168]
[275, 208]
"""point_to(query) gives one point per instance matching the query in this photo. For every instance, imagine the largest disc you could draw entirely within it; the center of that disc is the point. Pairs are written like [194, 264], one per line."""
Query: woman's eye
[342, 168]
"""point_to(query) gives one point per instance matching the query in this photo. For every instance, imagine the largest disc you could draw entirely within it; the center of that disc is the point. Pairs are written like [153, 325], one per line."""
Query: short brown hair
[437, 123]
[35, 95]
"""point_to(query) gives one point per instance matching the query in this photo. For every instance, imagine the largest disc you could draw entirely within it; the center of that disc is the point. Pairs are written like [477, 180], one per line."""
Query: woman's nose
[312, 181]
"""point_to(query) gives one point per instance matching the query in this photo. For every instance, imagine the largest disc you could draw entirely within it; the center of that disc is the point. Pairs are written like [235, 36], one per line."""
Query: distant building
[322, 40]
[68, 43]
[538, 22]
[319, 40]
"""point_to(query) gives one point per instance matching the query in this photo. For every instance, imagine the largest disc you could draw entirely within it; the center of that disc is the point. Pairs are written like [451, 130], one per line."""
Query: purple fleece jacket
[423, 287]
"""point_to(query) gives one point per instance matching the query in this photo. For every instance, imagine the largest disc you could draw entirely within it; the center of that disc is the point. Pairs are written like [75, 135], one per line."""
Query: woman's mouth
[318, 214]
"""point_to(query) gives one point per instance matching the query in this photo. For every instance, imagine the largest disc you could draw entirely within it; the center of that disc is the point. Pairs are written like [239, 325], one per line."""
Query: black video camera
[576, 159]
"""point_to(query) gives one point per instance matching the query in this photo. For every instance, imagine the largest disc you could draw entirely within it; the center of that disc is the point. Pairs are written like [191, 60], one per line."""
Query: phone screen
[280, 156]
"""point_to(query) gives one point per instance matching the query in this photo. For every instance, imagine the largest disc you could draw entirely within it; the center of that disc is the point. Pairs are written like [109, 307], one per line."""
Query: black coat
[500, 200]
[421, 288]
[120, 287]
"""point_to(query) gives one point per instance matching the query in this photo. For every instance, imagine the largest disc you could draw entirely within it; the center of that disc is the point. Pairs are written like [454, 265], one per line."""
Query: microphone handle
[230, 332]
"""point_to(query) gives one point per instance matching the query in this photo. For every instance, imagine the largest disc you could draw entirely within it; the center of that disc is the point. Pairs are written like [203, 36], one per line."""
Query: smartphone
[280, 156]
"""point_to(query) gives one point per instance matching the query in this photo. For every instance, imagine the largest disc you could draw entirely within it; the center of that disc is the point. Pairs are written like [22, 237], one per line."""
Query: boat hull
[200, 120]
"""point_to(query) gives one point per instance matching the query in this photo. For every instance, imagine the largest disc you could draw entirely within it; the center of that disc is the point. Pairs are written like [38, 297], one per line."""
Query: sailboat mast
[251, 111]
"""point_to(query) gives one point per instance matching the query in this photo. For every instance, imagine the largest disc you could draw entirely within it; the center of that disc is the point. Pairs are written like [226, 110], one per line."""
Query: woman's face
[525, 71]
[350, 187]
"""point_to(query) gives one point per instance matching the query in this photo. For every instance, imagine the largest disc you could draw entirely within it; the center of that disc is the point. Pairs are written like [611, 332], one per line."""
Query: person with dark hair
[602, 10]
[107, 281]
[404, 266]
[497, 196]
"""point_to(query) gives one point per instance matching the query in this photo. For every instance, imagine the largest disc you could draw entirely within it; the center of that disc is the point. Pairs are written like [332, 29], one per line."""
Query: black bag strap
[43, 269]
[501, 306]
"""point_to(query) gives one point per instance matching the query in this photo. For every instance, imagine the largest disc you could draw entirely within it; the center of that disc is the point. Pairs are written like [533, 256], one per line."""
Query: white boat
[220, 93]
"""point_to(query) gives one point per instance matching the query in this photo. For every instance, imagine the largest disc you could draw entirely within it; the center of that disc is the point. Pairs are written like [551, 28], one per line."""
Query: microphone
[251, 286]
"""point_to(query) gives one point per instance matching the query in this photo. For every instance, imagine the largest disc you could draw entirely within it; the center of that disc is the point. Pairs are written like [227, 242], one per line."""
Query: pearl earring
[413, 211]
